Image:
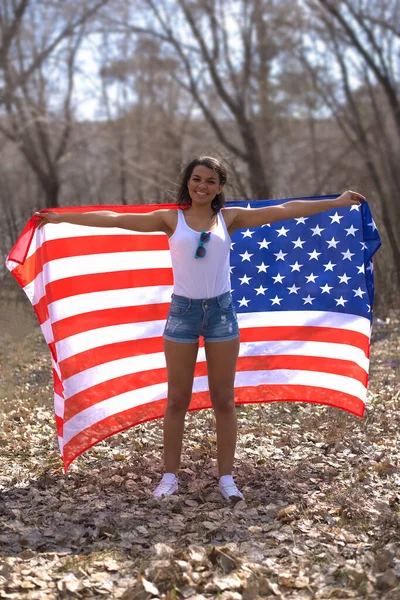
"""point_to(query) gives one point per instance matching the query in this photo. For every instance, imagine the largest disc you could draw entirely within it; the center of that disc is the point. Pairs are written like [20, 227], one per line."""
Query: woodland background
[103, 101]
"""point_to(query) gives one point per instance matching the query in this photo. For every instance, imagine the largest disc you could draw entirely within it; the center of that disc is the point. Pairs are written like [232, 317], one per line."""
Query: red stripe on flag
[59, 426]
[41, 309]
[52, 348]
[95, 357]
[58, 386]
[125, 383]
[100, 282]
[201, 400]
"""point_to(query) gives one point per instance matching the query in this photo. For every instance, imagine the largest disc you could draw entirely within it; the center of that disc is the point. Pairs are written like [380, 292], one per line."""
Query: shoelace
[231, 490]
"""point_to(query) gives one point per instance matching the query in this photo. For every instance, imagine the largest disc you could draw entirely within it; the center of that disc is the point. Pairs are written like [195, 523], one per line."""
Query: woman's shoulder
[170, 218]
[229, 213]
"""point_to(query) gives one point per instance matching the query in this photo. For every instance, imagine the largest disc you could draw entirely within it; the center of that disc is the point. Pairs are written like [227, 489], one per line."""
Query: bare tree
[226, 51]
[371, 41]
[148, 117]
[358, 82]
[12, 17]
[41, 136]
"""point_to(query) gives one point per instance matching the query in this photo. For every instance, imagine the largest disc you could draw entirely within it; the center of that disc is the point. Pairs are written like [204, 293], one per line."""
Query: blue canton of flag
[318, 263]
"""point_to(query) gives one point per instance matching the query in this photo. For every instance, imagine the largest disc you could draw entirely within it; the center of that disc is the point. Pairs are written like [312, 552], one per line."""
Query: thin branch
[42, 56]
[383, 79]
[192, 88]
[67, 102]
[9, 34]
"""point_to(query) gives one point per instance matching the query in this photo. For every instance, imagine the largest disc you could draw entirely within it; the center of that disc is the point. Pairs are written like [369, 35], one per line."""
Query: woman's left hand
[348, 198]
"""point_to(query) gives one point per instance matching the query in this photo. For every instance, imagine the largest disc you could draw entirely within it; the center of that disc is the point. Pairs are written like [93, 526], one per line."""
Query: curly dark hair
[211, 163]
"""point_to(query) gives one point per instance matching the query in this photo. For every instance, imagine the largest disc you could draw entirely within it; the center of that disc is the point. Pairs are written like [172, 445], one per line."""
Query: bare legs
[221, 363]
[181, 361]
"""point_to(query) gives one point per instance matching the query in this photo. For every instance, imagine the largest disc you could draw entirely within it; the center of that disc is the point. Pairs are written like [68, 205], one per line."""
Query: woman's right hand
[47, 217]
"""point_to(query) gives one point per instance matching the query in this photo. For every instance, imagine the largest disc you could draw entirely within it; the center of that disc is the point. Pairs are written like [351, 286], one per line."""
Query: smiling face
[203, 185]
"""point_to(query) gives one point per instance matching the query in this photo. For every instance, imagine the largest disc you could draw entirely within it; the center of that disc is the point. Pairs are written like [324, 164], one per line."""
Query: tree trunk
[51, 188]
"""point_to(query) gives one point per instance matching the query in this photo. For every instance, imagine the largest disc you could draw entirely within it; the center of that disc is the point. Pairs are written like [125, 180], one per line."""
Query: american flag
[303, 291]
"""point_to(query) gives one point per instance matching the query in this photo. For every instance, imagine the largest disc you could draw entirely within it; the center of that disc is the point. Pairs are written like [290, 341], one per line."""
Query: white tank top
[205, 277]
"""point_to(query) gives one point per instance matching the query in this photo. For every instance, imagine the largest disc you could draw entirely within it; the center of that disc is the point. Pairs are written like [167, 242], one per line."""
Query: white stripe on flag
[139, 364]
[84, 303]
[47, 331]
[116, 368]
[59, 405]
[303, 348]
[68, 231]
[55, 366]
[96, 338]
[302, 318]
[90, 264]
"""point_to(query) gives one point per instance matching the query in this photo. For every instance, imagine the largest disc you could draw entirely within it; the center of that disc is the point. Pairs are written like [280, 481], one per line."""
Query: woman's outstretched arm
[158, 220]
[253, 217]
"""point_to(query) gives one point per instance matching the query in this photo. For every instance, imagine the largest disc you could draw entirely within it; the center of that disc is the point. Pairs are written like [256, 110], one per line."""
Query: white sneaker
[167, 486]
[228, 488]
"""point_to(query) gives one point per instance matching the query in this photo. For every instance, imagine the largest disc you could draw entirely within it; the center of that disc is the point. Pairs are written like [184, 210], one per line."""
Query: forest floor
[321, 517]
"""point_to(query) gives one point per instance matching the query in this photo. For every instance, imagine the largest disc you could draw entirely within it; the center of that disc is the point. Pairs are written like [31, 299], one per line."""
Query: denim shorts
[213, 318]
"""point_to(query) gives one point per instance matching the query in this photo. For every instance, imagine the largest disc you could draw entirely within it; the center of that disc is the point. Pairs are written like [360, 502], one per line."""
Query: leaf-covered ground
[321, 517]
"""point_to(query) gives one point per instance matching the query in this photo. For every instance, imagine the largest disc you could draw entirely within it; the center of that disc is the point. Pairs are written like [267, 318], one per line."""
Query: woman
[201, 303]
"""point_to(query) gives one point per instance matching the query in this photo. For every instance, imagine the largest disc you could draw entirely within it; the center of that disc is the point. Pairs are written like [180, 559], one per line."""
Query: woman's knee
[178, 401]
[223, 401]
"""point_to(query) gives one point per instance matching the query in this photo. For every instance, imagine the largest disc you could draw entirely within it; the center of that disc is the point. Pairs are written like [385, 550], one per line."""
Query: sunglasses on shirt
[204, 238]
